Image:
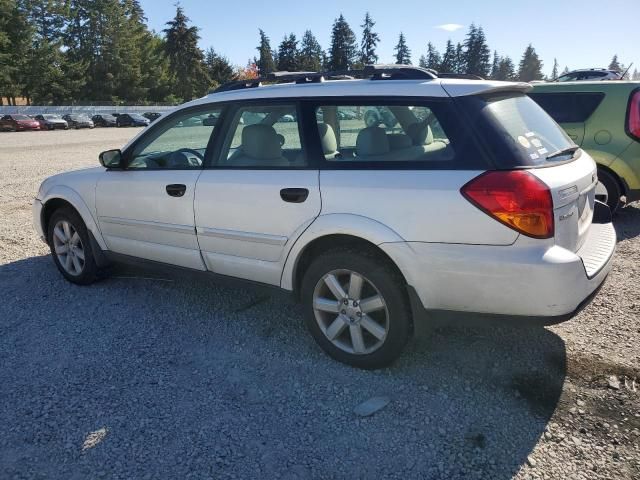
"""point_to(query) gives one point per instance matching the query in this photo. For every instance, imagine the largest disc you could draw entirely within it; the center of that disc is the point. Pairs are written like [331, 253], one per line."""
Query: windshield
[20, 117]
[107, 117]
[136, 116]
[520, 132]
[51, 117]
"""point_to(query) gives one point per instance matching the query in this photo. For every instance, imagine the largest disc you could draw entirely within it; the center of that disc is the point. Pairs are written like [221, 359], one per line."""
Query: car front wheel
[70, 247]
[356, 308]
[608, 190]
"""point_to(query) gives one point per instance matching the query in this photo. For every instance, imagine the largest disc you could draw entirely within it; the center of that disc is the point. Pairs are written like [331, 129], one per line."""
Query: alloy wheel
[351, 312]
[68, 247]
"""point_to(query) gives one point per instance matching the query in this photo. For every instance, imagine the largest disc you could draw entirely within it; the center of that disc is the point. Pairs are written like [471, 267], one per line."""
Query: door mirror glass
[110, 158]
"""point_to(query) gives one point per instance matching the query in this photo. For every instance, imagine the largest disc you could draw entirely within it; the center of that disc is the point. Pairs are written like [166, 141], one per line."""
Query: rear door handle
[176, 189]
[294, 195]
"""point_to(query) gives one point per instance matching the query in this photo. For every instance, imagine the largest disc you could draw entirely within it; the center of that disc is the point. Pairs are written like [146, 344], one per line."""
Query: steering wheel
[193, 152]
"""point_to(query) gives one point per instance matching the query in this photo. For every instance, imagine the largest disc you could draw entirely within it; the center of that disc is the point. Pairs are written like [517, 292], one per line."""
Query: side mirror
[111, 158]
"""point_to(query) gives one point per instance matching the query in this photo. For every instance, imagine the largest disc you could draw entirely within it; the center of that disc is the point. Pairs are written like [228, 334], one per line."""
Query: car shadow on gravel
[162, 376]
[627, 222]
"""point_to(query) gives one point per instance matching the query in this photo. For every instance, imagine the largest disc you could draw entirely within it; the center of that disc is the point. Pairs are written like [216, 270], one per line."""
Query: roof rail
[373, 72]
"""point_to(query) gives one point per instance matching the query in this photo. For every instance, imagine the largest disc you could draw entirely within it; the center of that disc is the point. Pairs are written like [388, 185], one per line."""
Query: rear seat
[374, 144]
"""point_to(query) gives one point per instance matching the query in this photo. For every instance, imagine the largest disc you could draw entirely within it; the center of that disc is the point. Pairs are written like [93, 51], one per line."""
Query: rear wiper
[563, 151]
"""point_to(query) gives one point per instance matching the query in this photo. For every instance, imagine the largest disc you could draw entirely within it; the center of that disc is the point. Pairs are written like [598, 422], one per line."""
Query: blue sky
[579, 33]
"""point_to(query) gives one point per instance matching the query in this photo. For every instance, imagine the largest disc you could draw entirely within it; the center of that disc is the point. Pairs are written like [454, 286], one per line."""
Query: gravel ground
[150, 375]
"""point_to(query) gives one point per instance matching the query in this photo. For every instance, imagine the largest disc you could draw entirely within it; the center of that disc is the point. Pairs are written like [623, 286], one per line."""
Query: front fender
[335, 224]
[68, 194]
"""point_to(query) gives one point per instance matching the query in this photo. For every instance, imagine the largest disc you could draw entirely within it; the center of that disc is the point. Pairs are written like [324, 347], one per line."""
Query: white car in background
[474, 202]
[589, 75]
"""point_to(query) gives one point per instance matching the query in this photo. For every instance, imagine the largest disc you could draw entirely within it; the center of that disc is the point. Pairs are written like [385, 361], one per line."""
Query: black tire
[614, 191]
[390, 286]
[89, 273]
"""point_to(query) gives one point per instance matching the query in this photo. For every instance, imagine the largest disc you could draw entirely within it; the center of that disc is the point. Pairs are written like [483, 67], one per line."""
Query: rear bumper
[520, 280]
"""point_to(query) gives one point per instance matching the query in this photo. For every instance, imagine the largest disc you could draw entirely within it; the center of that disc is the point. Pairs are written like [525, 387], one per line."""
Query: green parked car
[604, 119]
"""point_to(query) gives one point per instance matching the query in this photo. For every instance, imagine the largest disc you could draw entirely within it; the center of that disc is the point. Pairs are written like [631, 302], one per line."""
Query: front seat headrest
[261, 141]
[420, 133]
[327, 139]
[372, 141]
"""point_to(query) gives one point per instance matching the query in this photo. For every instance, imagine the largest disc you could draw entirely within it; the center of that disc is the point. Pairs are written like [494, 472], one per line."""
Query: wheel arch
[621, 183]
[62, 196]
[334, 231]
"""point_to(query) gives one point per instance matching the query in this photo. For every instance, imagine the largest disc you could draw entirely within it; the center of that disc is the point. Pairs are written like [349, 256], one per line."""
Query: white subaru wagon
[460, 198]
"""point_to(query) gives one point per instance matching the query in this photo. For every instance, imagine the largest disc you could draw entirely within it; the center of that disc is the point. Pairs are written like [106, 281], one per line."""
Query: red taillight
[516, 198]
[633, 115]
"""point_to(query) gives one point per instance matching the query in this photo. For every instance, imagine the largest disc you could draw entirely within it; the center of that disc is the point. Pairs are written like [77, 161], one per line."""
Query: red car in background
[18, 123]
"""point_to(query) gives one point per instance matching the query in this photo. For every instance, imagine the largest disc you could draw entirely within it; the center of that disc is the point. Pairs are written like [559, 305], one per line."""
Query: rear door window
[569, 107]
[396, 134]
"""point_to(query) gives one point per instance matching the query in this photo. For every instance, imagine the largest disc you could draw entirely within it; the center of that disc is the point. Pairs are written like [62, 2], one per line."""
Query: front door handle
[294, 195]
[176, 189]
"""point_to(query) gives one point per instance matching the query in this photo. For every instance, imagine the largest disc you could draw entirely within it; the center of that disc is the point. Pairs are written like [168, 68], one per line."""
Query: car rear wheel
[71, 248]
[608, 190]
[356, 308]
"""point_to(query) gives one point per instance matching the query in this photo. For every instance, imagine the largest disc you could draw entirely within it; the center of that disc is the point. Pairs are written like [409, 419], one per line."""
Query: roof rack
[373, 72]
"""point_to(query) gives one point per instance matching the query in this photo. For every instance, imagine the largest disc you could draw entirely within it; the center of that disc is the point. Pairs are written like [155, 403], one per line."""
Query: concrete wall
[88, 110]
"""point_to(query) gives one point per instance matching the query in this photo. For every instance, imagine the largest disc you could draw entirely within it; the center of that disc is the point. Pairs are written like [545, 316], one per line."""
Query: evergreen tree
[403, 54]
[422, 61]
[615, 64]
[288, 54]
[343, 50]
[554, 70]
[219, 69]
[369, 42]
[530, 66]
[459, 65]
[636, 75]
[266, 63]
[15, 41]
[476, 52]
[565, 71]
[495, 65]
[187, 60]
[311, 54]
[506, 70]
[433, 60]
[448, 58]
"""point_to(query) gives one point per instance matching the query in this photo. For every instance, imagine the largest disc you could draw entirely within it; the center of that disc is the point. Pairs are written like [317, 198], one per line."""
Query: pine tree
[459, 64]
[448, 58]
[218, 67]
[403, 54]
[422, 61]
[476, 52]
[506, 70]
[530, 66]
[615, 64]
[433, 60]
[636, 75]
[343, 50]
[288, 54]
[311, 54]
[565, 71]
[369, 42]
[15, 40]
[554, 70]
[187, 60]
[265, 62]
[495, 65]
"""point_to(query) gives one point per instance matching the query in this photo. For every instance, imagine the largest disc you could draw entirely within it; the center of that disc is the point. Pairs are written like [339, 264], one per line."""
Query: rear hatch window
[518, 132]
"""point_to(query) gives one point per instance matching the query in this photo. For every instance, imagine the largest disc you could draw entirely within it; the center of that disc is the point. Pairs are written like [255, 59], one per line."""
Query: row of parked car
[49, 121]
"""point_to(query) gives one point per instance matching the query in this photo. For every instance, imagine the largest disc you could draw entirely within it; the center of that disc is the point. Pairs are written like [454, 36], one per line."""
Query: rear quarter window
[516, 130]
[569, 107]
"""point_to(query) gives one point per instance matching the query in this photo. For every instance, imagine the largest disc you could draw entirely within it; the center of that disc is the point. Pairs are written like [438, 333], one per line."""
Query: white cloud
[450, 27]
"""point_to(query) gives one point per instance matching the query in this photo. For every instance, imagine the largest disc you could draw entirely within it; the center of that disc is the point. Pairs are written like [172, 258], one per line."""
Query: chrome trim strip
[242, 236]
[166, 227]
